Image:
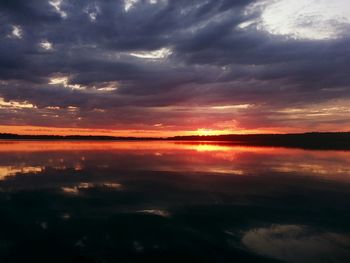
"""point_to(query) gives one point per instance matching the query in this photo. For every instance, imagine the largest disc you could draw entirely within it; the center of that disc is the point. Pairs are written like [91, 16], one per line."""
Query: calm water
[172, 202]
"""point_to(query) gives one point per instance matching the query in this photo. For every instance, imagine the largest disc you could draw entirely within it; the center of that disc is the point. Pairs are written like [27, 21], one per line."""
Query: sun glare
[204, 132]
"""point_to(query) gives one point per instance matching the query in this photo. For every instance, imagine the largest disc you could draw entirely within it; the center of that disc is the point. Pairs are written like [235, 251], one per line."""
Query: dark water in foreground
[172, 202]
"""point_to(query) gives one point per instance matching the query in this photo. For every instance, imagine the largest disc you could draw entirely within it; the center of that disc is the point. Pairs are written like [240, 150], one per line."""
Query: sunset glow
[208, 68]
[37, 130]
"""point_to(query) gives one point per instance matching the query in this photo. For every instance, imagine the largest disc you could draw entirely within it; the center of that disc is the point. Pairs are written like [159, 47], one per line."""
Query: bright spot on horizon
[300, 19]
[208, 132]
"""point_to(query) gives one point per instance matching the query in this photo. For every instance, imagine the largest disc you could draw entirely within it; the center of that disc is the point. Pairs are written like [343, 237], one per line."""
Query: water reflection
[33, 157]
[172, 201]
[295, 243]
[76, 189]
[6, 171]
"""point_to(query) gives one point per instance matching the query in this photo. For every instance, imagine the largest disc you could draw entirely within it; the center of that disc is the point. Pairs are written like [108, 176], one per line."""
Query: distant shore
[313, 140]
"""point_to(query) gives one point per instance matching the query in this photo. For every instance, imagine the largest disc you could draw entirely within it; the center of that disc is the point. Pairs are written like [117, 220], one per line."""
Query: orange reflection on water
[35, 146]
[21, 157]
[6, 171]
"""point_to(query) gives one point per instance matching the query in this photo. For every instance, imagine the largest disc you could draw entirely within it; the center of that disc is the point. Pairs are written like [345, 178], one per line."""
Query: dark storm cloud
[211, 61]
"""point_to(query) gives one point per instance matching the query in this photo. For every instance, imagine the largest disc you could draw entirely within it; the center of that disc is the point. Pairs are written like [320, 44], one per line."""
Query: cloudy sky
[166, 67]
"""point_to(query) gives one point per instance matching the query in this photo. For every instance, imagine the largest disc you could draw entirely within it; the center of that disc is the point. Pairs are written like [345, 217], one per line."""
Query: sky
[174, 67]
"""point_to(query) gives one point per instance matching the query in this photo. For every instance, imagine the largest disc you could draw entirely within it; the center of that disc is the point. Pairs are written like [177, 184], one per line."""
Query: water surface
[172, 201]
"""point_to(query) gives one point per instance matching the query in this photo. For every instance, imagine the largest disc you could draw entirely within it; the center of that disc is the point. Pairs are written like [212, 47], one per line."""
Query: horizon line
[169, 137]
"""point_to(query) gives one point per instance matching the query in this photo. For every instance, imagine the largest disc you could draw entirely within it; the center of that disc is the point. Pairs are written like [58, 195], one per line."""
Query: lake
[159, 201]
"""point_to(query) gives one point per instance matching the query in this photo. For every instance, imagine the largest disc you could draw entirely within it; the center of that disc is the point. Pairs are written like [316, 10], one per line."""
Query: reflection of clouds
[227, 156]
[295, 243]
[66, 216]
[6, 171]
[75, 190]
[111, 185]
[78, 167]
[218, 170]
[59, 167]
[328, 167]
[158, 212]
[44, 225]
[70, 190]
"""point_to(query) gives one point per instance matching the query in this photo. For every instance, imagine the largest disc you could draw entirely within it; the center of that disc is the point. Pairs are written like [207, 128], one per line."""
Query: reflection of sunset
[172, 156]
[75, 190]
[13, 170]
[210, 148]
[34, 146]
[315, 168]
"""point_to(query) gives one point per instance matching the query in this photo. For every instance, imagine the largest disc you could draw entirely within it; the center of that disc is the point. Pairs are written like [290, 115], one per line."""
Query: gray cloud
[208, 60]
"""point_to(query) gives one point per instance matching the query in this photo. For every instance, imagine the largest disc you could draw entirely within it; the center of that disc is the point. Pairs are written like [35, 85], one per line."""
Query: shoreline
[315, 140]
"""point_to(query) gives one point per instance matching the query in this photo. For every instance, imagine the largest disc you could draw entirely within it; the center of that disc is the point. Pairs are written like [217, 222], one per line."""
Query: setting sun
[204, 132]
